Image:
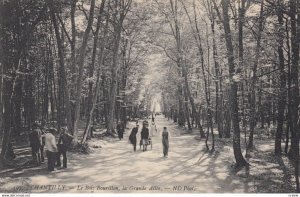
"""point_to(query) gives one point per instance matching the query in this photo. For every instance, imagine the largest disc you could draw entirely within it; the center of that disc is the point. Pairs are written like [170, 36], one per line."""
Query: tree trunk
[187, 110]
[181, 114]
[92, 65]
[97, 84]
[63, 87]
[117, 24]
[240, 161]
[295, 36]
[1, 84]
[219, 117]
[6, 90]
[289, 120]
[254, 77]
[80, 67]
[73, 52]
[17, 104]
[282, 91]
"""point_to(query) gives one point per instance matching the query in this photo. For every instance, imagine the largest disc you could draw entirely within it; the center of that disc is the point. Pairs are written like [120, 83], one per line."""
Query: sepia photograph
[157, 97]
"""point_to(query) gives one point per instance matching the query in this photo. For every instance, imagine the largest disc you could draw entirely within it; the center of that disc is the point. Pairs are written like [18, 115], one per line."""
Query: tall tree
[120, 10]
[62, 76]
[282, 90]
[254, 77]
[95, 93]
[81, 59]
[240, 161]
[295, 36]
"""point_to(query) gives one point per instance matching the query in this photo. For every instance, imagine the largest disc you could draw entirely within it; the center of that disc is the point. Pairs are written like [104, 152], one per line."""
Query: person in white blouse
[152, 129]
[50, 144]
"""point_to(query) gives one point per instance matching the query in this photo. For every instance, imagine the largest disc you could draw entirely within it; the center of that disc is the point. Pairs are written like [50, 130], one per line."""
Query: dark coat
[165, 138]
[35, 138]
[120, 130]
[145, 133]
[64, 141]
[132, 136]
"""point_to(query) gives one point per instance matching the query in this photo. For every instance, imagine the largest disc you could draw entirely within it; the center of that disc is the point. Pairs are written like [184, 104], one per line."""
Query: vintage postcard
[149, 97]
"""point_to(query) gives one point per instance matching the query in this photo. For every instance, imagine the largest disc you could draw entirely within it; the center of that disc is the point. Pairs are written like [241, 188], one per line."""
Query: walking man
[165, 142]
[132, 136]
[50, 144]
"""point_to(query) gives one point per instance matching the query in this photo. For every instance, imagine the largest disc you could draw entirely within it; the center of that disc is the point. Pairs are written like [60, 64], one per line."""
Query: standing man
[63, 143]
[145, 135]
[120, 130]
[165, 141]
[132, 136]
[50, 144]
[35, 138]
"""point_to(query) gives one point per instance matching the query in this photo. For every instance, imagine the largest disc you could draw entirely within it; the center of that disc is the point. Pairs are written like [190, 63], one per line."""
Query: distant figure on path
[132, 136]
[153, 119]
[120, 130]
[165, 141]
[35, 138]
[63, 142]
[50, 144]
[42, 126]
[152, 129]
[145, 135]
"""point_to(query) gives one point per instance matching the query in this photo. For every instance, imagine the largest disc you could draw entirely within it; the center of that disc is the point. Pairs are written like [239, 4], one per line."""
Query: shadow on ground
[116, 166]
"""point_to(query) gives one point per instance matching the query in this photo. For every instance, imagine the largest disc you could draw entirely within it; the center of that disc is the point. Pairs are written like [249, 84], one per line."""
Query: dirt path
[116, 168]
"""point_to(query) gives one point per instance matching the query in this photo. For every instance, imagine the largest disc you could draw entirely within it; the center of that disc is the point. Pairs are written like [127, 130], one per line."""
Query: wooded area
[226, 68]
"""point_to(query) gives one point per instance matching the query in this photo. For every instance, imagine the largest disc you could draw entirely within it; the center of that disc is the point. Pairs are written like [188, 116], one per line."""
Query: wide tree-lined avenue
[221, 75]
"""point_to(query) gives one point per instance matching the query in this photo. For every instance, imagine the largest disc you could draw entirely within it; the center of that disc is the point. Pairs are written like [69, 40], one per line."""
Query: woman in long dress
[165, 141]
[132, 136]
[152, 129]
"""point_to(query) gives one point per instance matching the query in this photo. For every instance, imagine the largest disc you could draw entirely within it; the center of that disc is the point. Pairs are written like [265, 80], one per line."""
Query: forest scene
[149, 96]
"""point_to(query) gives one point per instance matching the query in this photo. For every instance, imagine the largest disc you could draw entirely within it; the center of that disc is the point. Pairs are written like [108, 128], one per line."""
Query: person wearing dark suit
[132, 136]
[120, 130]
[145, 137]
[35, 138]
[165, 142]
[62, 146]
[42, 147]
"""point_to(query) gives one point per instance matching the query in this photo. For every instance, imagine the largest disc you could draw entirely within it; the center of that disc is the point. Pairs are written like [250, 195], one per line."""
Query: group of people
[39, 139]
[145, 137]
